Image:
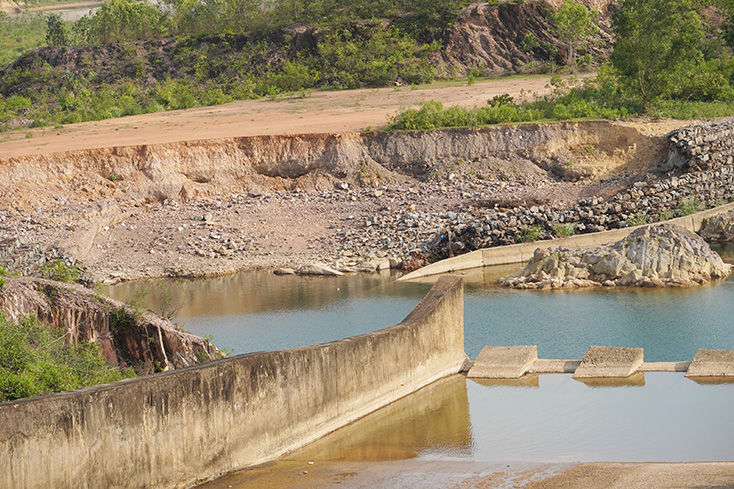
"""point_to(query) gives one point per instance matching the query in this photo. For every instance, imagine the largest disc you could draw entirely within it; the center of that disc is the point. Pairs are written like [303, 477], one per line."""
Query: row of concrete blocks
[512, 362]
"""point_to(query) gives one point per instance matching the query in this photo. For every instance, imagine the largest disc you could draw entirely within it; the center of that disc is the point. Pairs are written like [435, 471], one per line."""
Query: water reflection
[433, 420]
[258, 310]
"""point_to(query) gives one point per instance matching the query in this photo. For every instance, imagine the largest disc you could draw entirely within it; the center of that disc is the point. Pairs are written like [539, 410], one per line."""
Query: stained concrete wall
[177, 428]
[520, 253]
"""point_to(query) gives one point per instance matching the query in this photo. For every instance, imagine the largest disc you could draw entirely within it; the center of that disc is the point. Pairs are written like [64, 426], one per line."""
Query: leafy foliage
[657, 45]
[60, 271]
[576, 26]
[34, 360]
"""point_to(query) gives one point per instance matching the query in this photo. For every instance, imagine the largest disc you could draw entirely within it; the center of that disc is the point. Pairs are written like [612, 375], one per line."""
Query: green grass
[530, 234]
[690, 206]
[34, 360]
[19, 34]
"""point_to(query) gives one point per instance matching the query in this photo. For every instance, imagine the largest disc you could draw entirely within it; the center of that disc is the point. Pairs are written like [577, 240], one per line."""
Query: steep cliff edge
[494, 38]
[127, 337]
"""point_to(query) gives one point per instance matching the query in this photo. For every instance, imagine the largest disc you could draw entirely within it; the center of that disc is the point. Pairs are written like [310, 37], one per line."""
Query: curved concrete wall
[177, 428]
[519, 253]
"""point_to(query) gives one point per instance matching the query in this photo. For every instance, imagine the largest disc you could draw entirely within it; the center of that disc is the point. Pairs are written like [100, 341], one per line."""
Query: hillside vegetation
[136, 57]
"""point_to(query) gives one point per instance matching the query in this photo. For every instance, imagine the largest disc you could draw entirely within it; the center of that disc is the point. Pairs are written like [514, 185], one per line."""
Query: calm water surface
[548, 418]
[255, 311]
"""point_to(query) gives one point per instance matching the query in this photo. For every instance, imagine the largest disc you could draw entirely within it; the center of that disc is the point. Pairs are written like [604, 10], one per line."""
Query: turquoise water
[256, 311]
[548, 418]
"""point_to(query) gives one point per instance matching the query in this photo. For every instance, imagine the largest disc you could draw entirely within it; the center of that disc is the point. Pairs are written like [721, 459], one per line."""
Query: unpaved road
[320, 112]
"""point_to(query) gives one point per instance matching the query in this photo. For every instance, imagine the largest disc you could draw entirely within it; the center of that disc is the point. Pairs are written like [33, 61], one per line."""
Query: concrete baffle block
[712, 363]
[609, 361]
[503, 362]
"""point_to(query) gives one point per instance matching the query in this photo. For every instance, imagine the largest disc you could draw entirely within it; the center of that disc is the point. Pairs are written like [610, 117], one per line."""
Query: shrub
[563, 230]
[690, 206]
[59, 270]
[638, 219]
[530, 234]
[34, 360]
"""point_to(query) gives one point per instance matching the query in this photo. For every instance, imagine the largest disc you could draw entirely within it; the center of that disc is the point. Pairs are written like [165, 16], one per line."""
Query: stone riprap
[704, 146]
[651, 256]
[712, 363]
[698, 174]
[609, 361]
[503, 362]
[718, 229]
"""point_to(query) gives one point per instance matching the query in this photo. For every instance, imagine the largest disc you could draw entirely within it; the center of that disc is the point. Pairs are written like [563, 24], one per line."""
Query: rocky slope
[492, 37]
[652, 256]
[487, 38]
[128, 337]
[176, 206]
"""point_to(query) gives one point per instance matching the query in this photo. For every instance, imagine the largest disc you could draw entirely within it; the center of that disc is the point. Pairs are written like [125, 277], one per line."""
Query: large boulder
[718, 228]
[652, 256]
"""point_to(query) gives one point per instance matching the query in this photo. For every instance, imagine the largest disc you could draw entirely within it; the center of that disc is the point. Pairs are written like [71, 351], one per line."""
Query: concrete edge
[711, 364]
[520, 253]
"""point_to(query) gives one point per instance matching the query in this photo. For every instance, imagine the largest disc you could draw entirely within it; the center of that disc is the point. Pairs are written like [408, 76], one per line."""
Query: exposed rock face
[652, 256]
[718, 229]
[142, 340]
[493, 37]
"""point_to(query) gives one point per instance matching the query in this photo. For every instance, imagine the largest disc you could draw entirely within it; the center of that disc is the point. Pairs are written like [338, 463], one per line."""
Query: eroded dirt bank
[216, 206]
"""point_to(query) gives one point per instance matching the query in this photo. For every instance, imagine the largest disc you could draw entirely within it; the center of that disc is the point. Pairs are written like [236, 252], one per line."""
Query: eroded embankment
[181, 170]
[127, 337]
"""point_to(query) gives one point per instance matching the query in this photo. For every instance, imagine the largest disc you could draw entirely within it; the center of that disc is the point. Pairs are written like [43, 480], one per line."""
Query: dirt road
[320, 112]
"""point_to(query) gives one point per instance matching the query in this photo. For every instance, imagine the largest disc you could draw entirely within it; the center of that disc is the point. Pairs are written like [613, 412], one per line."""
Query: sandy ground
[417, 474]
[320, 112]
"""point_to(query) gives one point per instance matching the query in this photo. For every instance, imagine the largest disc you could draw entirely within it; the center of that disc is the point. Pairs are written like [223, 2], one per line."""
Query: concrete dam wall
[180, 427]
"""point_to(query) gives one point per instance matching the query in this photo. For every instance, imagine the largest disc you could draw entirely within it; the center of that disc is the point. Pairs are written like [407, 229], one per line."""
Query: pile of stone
[704, 146]
[649, 201]
[22, 258]
[652, 256]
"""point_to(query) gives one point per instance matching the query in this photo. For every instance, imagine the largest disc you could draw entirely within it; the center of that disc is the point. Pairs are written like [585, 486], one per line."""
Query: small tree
[657, 45]
[55, 31]
[576, 26]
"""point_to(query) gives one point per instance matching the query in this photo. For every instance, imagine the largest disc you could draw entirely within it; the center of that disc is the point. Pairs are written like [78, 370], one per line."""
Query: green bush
[530, 234]
[59, 270]
[690, 206]
[34, 360]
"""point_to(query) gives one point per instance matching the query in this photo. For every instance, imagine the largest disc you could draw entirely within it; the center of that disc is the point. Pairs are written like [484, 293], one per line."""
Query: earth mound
[651, 256]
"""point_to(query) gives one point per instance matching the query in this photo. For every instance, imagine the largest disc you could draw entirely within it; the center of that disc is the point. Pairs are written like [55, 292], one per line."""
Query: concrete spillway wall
[177, 428]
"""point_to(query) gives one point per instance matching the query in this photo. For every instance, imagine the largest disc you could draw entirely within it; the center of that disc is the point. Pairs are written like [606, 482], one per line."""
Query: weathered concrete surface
[503, 362]
[664, 366]
[712, 363]
[609, 361]
[519, 253]
[179, 427]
